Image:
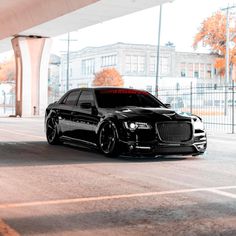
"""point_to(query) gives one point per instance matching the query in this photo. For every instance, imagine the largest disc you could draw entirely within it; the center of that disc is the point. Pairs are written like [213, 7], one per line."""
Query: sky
[181, 20]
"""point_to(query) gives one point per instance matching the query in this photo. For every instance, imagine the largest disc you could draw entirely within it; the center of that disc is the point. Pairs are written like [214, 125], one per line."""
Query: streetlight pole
[158, 52]
[68, 59]
[68, 62]
[227, 54]
[227, 47]
[227, 9]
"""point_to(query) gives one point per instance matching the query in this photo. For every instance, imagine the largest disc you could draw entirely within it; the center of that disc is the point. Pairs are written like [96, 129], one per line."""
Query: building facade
[137, 65]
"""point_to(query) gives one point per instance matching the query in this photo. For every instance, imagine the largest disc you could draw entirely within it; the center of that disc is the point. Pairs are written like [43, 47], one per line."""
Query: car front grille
[174, 132]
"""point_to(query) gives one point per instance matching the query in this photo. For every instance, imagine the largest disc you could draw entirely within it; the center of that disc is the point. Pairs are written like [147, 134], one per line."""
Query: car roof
[105, 87]
[117, 88]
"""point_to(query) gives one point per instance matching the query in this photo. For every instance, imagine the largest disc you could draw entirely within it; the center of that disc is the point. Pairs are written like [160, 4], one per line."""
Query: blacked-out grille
[174, 131]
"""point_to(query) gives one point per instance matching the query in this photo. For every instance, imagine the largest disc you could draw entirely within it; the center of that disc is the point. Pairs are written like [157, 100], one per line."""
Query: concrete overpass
[28, 26]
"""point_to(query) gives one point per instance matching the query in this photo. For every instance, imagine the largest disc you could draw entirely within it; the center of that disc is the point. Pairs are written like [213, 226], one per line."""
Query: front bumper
[196, 146]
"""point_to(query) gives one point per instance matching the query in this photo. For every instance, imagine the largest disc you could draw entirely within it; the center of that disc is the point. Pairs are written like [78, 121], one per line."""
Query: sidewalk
[222, 136]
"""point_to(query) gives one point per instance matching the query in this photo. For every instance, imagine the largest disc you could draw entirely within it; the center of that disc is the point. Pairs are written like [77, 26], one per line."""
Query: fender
[110, 119]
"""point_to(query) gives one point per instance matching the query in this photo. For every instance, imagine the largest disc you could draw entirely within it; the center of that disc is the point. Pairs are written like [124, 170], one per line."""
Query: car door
[64, 112]
[85, 118]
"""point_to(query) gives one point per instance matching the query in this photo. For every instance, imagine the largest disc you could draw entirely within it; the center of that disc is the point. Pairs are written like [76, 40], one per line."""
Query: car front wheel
[51, 131]
[108, 140]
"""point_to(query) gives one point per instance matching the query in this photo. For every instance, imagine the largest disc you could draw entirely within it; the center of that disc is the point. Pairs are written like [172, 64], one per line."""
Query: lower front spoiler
[164, 149]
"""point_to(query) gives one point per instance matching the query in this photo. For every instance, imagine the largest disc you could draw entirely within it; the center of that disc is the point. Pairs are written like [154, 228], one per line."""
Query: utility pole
[227, 54]
[158, 52]
[227, 9]
[68, 60]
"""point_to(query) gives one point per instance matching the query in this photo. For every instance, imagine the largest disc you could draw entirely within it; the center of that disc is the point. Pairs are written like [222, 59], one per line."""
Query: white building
[137, 65]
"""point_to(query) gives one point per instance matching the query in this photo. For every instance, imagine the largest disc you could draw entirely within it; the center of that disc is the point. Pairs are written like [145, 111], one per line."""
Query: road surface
[64, 190]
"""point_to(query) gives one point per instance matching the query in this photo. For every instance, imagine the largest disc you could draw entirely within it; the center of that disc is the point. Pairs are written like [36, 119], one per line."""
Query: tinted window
[71, 99]
[86, 96]
[111, 98]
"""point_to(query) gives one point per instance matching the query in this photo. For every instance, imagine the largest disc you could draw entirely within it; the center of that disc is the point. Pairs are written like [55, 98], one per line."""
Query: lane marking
[222, 193]
[6, 230]
[23, 134]
[112, 197]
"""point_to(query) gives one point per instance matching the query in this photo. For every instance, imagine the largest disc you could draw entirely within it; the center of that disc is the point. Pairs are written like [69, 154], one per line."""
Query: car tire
[51, 132]
[108, 142]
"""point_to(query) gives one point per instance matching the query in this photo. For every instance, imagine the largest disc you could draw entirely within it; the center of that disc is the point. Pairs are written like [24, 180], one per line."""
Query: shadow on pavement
[40, 153]
[166, 219]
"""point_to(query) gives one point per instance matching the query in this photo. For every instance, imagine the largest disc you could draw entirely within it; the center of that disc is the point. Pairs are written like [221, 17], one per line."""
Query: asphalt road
[64, 190]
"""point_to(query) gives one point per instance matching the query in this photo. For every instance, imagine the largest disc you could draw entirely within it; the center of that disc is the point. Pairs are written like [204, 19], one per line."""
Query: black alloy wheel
[51, 131]
[108, 140]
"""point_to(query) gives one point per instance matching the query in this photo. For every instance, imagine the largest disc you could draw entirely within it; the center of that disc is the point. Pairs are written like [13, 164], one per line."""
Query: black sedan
[123, 121]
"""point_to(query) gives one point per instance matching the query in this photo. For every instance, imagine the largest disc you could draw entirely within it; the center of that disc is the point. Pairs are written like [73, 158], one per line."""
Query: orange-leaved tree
[212, 33]
[7, 70]
[108, 77]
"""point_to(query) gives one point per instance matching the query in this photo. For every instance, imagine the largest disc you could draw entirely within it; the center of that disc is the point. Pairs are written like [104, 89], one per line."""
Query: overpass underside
[28, 25]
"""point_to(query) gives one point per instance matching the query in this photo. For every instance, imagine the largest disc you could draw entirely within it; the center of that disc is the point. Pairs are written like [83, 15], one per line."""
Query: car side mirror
[167, 105]
[86, 105]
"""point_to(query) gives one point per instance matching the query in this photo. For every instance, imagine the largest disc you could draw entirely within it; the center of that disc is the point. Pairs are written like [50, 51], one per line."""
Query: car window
[86, 96]
[71, 99]
[111, 98]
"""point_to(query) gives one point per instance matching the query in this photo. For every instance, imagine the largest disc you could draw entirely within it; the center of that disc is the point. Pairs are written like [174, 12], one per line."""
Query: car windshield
[111, 98]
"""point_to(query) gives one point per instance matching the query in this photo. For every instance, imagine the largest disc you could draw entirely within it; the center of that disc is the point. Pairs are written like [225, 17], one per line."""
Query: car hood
[150, 114]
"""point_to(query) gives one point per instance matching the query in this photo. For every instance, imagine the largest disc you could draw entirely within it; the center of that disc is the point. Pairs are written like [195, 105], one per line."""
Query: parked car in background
[123, 121]
[175, 102]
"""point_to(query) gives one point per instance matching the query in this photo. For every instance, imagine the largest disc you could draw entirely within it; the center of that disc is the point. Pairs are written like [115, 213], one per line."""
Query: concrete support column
[32, 60]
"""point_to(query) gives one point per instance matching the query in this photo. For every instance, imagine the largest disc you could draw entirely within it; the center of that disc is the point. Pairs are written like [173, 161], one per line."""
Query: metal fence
[214, 103]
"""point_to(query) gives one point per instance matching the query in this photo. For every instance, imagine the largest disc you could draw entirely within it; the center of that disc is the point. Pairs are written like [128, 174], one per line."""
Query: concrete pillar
[32, 60]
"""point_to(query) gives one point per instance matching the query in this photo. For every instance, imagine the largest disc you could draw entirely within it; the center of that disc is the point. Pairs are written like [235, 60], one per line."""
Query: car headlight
[137, 125]
[198, 124]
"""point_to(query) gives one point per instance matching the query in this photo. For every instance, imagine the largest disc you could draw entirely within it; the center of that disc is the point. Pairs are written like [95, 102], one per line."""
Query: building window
[164, 65]
[183, 69]
[202, 70]
[141, 63]
[88, 66]
[135, 63]
[196, 70]
[110, 60]
[152, 66]
[128, 63]
[209, 74]
[190, 70]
